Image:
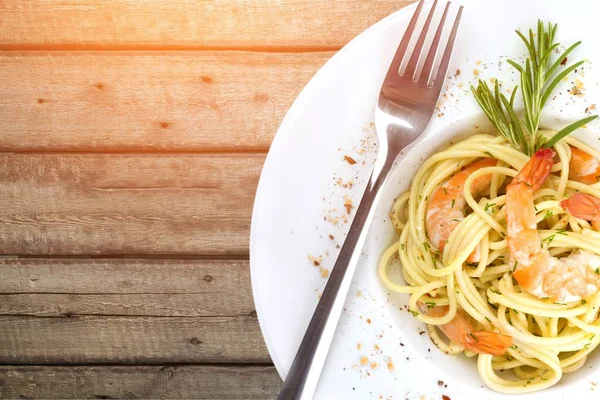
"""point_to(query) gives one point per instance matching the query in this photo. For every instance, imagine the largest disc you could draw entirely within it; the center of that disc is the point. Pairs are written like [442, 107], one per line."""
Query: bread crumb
[315, 261]
[476, 72]
[368, 320]
[349, 160]
[390, 364]
[358, 346]
[345, 184]
[376, 347]
[324, 272]
[364, 360]
[577, 89]
[374, 366]
[348, 204]
[359, 294]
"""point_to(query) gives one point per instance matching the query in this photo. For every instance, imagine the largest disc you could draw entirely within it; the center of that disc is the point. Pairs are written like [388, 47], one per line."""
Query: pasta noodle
[549, 339]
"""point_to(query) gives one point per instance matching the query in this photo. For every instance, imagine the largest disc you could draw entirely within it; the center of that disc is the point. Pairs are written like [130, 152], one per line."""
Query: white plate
[292, 216]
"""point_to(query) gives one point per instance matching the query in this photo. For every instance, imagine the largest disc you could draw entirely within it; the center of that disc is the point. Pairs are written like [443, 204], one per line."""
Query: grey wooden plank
[149, 305]
[131, 340]
[127, 311]
[122, 276]
[139, 382]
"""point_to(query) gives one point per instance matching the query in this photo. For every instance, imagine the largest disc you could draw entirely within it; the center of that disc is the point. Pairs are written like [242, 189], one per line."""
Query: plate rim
[287, 120]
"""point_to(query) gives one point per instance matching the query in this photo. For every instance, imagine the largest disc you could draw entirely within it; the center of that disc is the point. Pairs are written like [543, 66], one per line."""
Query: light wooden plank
[208, 23]
[126, 204]
[136, 382]
[147, 101]
[195, 288]
[134, 340]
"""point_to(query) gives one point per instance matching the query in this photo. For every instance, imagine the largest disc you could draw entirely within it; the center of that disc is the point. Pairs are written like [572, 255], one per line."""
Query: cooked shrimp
[583, 167]
[584, 206]
[447, 205]
[537, 272]
[461, 330]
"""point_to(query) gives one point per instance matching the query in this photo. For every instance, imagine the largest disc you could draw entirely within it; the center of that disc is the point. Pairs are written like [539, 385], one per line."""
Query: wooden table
[132, 136]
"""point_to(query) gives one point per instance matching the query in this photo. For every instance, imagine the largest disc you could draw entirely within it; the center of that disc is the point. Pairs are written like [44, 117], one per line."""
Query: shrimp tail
[535, 172]
[582, 205]
[487, 342]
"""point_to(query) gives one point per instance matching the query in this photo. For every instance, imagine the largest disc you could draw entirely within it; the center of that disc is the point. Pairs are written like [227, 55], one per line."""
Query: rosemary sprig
[539, 77]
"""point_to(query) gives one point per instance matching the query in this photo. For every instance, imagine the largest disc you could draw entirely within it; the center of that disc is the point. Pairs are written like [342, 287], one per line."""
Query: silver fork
[406, 104]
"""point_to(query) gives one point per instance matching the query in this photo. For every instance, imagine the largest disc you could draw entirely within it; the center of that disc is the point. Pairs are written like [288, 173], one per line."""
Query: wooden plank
[208, 23]
[194, 288]
[132, 340]
[147, 101]
[136, 382]
[127, 311]
[56, 204]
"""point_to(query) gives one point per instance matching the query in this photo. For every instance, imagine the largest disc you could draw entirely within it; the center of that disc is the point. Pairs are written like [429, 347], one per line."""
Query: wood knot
[261, 97]
[41, 101]
[206, 79]
[164, 125]
[195, 341]
[99, 86]
[208, 278]
[68, 314]
[253, 314]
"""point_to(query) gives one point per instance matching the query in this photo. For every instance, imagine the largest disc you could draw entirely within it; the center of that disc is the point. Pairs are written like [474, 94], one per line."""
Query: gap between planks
[163, 48]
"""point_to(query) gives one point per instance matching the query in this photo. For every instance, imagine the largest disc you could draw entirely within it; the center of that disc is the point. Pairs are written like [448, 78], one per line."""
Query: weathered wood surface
[139, 382]
[194, 101]
[256, 24]
[153, 118]
[126, 204]
[56, 311]
[115, 287]
[131, 340]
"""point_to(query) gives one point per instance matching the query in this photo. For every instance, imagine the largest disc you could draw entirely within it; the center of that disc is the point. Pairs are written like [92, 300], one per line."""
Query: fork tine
[438, 80]
[397, 61]
[428, 66]
[411, 67]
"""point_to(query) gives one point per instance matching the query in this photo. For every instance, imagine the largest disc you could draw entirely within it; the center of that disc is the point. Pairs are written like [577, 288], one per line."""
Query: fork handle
[305, 371]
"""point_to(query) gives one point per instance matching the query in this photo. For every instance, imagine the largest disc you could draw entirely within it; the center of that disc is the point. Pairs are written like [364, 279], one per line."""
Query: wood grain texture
[131, 340]
[59, 288]
[194, 101]
[127, 311]
[56, 204]
[209, 23]
[138, 382]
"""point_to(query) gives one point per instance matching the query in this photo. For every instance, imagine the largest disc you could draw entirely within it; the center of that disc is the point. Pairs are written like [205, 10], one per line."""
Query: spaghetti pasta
[549, 338]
